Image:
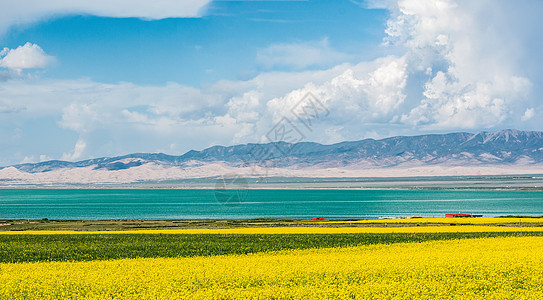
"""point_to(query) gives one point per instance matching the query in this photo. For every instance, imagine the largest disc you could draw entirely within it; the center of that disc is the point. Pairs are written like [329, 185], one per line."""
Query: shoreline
[24, 225]
[462, 182]
[528, 182]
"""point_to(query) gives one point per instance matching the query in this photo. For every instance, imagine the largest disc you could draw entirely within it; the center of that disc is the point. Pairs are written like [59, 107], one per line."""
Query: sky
[87, 79]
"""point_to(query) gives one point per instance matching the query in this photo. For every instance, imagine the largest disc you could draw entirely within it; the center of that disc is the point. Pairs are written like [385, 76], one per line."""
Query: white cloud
[300, 55]
[528, 114]
[365, 93]
[28, 56]
[114, 118]
[81, 117]
[44, 157]
[29, 11]
[473, 81]
[32, 159]
[28, 159]
[77, 153]
[111, 119]
[455, 71]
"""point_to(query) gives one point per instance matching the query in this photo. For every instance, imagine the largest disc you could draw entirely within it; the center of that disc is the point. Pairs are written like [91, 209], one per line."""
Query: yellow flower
[487, 268]
[298, 230]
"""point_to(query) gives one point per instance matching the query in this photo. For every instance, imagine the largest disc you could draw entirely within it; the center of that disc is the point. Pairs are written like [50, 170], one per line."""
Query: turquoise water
[198, 204]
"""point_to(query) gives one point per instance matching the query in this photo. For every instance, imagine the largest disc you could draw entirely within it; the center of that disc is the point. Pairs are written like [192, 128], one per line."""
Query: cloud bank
[454, 69]
[22, 12]
[471, 81]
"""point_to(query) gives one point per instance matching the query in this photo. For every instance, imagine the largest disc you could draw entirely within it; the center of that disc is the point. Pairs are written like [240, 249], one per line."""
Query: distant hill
[513, 150]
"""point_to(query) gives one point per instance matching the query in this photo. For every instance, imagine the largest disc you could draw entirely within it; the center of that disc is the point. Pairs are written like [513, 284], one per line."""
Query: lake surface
[209, 203]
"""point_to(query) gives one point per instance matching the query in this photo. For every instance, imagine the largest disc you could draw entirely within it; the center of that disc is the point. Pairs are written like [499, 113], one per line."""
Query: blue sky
[222, 44]
[98, 78]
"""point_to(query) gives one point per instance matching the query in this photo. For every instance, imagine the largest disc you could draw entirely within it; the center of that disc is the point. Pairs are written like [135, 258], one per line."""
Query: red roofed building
[459, 215]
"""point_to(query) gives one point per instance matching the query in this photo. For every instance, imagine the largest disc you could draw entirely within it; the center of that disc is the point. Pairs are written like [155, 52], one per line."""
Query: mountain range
[460, 153]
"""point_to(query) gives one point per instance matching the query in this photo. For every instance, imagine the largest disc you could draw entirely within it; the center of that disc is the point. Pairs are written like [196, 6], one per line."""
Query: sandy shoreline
[151, 172]
[497, 182]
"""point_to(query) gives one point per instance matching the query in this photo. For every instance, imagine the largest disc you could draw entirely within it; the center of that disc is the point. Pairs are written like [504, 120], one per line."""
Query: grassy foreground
[86, 247]
[281, 261]
[485, 268]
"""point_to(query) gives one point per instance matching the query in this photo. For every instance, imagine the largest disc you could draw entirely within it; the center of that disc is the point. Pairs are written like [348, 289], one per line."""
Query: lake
[259, 203]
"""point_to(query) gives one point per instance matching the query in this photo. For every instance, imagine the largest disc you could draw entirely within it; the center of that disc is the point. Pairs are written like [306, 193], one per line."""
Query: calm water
[183, 204]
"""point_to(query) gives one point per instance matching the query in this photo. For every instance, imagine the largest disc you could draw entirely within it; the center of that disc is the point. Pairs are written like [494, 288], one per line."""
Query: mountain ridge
[505, 146]
[456, 153]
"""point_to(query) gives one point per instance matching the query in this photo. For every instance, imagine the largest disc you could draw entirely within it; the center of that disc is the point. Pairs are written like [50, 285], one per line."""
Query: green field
[87, 247]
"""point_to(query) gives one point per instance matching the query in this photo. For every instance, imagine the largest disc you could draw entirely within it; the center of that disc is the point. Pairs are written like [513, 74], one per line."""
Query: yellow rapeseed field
[296, 230]
[473, 221]
[489, 268]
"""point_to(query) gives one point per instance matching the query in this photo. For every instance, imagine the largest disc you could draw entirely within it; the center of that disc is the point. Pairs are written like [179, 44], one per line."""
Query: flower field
[485, 268]
[296, 230]
[471, 221]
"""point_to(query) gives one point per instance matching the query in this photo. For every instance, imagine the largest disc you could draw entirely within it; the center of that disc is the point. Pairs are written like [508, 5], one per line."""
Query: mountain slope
[501, 150]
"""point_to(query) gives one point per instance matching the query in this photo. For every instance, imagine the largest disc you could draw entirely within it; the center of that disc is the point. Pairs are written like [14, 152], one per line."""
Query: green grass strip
[37, 248]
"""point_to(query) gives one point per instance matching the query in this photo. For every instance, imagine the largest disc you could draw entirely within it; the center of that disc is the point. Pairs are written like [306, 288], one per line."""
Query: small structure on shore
[458, 215]
[317, 219]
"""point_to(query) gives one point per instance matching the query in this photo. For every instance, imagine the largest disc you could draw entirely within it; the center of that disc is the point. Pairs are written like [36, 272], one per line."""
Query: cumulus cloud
[458, 72]
[528, 114]
[366, 92]
[300, 55]
[472, 80]
[28, 56]
[29, 11]
[77, 153]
